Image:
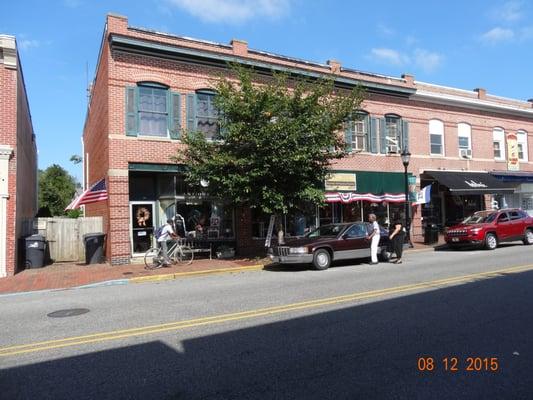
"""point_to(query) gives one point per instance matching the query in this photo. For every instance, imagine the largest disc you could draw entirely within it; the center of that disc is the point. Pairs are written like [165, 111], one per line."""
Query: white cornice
[458, 101]
[5, 152]
[8, 48]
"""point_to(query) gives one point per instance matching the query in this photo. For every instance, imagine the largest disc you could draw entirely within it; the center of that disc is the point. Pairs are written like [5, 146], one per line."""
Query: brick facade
[186, 65]
[18, 151]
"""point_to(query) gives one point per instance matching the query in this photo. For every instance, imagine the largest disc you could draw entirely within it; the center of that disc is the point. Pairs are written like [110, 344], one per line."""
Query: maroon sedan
[330, 243]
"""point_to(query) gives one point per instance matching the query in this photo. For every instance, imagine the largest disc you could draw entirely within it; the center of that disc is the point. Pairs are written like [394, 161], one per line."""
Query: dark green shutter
[175, 115]
[373, 139]
[191, 112]
[382, 136]
[348, 137]
[405, 136]
[131, 111]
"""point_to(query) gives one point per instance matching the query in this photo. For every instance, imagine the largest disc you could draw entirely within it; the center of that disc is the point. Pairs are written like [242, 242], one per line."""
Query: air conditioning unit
[392, 148]
[465, 153]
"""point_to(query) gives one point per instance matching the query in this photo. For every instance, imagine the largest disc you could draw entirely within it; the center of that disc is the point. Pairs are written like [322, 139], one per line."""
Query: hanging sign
[270, 230]
[512, 152]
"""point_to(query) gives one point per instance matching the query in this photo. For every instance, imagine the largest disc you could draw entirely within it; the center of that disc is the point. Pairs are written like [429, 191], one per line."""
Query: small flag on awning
[96, 192]
[424, 196]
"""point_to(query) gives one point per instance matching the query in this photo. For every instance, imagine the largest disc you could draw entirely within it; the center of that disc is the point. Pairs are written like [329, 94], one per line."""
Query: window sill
[154, 138]
[437, 155]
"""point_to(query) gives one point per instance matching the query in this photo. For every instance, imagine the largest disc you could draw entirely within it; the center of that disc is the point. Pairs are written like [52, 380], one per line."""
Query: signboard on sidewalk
[270, 230]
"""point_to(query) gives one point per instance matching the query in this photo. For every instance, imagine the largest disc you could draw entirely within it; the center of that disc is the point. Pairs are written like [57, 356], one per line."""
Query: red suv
[488, 228]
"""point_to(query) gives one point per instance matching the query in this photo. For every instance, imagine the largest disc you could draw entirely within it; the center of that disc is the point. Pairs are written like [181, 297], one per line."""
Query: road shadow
[362, 351]
[445, 247]
[276, 267]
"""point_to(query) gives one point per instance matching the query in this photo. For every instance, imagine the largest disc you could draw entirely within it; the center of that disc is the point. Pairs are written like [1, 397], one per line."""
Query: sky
[464, 44]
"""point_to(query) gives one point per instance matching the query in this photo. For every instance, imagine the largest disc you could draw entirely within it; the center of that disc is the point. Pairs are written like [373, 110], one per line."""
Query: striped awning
[343, 197]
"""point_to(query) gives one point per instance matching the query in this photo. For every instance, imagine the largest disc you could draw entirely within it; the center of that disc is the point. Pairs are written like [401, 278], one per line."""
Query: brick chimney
[481, 93]
[117, 23]
[409, 79]
[240, 47]
[335, 66]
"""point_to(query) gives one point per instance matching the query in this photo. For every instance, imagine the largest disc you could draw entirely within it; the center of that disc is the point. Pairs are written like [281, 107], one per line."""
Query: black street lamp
[406, 157]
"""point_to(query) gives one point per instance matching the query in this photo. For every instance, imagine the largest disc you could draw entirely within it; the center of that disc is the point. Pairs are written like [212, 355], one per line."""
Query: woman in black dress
[397, 237]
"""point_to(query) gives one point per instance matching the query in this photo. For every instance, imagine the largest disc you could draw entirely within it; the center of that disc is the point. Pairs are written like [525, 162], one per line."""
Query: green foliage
[276, 142]
[56, 189]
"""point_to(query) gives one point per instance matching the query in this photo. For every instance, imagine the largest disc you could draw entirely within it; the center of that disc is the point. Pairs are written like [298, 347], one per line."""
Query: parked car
[330, 243]
[489, 228]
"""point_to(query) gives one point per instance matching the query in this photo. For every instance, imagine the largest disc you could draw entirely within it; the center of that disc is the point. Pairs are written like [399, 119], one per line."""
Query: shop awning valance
[371, 186]
[464, 183]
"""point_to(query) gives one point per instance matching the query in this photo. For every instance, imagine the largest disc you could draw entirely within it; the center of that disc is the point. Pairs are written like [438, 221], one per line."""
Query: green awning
[376, 182]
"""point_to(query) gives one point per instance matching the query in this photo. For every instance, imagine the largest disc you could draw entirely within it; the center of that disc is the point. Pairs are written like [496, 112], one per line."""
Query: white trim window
[498, 144]
[522, 145]
[464, 136]
[436, 137]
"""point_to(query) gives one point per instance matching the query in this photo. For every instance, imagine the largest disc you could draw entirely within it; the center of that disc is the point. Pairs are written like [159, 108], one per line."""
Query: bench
[197, 246]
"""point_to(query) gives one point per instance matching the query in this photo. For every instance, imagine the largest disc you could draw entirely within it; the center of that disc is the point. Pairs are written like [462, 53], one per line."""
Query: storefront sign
[512, 152]
[341, 181]
[474, 184]
[270, 230]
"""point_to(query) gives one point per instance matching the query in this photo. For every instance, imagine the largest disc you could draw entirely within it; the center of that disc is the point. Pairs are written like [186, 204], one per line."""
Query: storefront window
[380, 209]
[352, 212]
[204, 219]
[296, 223]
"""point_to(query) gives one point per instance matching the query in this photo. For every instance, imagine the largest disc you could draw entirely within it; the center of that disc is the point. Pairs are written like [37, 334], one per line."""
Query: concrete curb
[177, 275]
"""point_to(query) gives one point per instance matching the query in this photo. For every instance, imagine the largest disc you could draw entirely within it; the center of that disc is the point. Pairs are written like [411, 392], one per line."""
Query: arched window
[464, 135]
[207, 117]
[357, 131]
[436, 137]
[498, 143]
[521, 136]
[152, 110]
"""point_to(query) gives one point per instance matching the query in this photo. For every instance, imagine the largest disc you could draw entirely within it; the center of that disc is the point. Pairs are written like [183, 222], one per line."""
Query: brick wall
[111, 150]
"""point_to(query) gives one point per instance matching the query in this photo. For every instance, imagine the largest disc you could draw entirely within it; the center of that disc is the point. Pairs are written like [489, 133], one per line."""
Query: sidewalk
[71, 275]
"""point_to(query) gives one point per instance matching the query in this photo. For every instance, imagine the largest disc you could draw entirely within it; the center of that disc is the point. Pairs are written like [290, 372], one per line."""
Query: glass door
[142, 220]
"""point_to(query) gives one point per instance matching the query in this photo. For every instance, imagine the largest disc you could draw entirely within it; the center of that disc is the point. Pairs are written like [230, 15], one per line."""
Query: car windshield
[480, 217]
[326, 230]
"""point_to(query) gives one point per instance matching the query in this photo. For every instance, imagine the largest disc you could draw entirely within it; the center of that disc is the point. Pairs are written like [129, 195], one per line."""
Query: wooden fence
[65, 236]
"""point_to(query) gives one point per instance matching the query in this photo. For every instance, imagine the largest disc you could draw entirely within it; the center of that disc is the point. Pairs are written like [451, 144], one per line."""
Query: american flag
[96, 192]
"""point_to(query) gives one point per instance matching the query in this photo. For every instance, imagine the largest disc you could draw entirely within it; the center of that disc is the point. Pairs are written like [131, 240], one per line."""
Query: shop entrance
[141, 225]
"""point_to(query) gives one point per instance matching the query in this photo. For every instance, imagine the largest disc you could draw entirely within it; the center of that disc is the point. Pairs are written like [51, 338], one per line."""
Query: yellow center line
[268, 311]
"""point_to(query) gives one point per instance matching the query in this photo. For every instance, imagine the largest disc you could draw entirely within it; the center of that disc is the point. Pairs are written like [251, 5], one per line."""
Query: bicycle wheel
[184, 255]
[153, 258]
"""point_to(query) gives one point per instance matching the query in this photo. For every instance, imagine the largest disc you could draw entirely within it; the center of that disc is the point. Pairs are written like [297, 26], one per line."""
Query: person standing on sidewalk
[374, 237]
[166, 234]
[397, 237]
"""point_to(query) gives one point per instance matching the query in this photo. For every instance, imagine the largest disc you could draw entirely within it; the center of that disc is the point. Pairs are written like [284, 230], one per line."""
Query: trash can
[431, 234]
[94, 247]
[34, 250]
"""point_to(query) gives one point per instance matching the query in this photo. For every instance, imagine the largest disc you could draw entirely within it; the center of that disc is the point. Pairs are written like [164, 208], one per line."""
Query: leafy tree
[56, 190]
[277, 140]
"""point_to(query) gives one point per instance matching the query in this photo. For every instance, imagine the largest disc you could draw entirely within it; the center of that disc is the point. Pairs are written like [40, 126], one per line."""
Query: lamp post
[406, 157]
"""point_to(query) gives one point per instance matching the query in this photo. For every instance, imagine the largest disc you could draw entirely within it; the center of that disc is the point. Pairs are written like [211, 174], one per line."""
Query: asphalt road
[354, 331]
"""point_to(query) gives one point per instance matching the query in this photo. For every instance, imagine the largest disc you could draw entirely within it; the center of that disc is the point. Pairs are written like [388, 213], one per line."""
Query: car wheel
[491, 242]
[321, 259]
[385, 255]
[528, 237]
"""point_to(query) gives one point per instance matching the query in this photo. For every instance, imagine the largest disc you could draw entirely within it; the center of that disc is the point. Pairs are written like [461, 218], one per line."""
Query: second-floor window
[522, 145]
[207, 115]
[436, 137]
[357, 131]
[498, 142]
[464, 134]
[153, 111]
[392, 133]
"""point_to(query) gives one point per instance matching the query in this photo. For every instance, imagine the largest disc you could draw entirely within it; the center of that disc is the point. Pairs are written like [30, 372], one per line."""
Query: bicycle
[177, 253]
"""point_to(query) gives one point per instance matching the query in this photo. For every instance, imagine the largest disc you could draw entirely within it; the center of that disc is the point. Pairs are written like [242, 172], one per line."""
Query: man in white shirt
[166, 234]
[374, 237]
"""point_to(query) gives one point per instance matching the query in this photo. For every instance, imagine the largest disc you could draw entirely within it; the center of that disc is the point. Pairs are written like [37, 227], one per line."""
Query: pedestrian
[397, 238]
[374, 237]
[166, 234]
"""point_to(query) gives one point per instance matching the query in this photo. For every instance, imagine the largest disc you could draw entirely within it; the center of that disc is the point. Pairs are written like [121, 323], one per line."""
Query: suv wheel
[491, 242]
[528, 237]
[321, 259]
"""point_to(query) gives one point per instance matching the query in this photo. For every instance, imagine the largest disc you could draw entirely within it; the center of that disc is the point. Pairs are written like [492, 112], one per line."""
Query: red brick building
[18, 159]
[150, 87]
